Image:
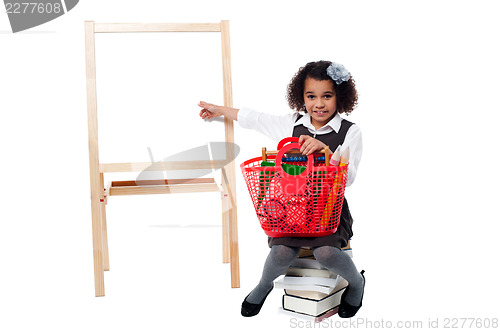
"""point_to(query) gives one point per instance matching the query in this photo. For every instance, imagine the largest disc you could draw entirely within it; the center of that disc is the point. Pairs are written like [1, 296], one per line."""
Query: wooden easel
[99, 194]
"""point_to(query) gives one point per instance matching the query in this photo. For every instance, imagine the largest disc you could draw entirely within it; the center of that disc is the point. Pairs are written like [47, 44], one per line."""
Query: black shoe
[251, 309]
[345, 309]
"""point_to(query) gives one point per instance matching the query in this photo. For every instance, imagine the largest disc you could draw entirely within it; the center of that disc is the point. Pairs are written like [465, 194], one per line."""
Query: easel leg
[97, 244]
[234, 249]
[225, 227]
[96, 192]
[104, 237]
[230, 177]
[233, 224]
[104, 226]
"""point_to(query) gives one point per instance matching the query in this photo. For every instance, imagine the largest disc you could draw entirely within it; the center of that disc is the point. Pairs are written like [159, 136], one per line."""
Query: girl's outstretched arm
[212, 111]
[275, 127]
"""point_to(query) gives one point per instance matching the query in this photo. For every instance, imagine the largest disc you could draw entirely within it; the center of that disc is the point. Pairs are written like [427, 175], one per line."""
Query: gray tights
[280, 257]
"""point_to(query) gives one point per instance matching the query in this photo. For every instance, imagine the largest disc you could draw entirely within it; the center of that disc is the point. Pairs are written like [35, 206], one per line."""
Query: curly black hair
[346, 94]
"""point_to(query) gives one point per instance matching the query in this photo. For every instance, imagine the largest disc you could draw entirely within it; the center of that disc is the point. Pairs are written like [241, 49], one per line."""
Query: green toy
[267, 176]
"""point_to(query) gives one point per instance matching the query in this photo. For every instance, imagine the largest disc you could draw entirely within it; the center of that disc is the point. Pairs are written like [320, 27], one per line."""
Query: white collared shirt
[278, 127]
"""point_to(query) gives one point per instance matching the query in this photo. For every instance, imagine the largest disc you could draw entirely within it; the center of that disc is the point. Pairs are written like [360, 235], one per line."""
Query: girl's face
[320, 101]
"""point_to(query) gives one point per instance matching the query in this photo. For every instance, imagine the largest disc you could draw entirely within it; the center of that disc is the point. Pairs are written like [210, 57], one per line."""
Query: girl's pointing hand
[209, 110]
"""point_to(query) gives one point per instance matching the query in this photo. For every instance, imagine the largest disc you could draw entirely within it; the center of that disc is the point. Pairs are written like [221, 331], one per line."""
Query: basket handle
[279, 156]
[287, 140]
[284, 141]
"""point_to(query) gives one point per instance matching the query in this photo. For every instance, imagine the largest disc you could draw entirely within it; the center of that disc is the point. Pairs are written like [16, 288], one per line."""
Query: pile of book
[310, 289]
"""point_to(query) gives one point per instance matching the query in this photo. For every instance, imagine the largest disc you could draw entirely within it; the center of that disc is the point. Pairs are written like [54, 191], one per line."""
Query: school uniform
[336, 132]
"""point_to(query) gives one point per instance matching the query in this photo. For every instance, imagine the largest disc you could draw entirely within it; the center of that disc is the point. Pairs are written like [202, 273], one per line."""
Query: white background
[425, 201]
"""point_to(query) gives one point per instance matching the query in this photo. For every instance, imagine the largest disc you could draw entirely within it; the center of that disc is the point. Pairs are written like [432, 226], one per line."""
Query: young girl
[322, 91]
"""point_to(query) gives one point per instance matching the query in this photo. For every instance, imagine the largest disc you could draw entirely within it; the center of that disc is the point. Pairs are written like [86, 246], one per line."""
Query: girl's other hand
[209, 111]
[310, 145]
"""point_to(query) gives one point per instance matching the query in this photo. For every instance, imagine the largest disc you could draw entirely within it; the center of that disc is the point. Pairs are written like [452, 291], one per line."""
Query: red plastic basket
[308, 204]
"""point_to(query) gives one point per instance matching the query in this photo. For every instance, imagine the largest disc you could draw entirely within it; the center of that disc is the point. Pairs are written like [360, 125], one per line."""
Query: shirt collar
[334, 123]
